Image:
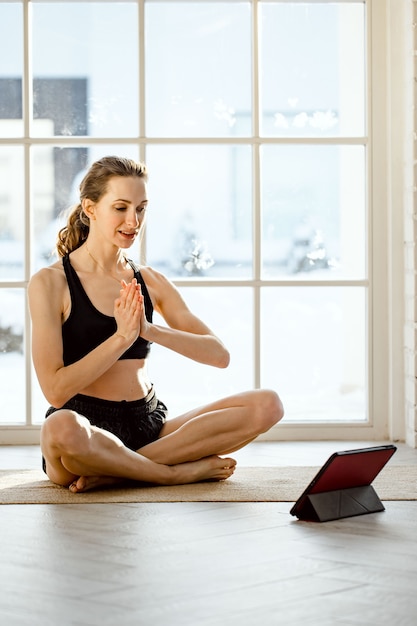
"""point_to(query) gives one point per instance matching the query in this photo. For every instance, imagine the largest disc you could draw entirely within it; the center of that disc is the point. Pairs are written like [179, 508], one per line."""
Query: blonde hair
[94, 186]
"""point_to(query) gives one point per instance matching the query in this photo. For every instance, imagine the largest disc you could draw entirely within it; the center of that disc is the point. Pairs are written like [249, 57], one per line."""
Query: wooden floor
[208, 564]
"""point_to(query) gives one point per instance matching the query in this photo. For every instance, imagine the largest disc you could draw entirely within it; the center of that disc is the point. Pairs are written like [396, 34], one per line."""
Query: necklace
[103, 268]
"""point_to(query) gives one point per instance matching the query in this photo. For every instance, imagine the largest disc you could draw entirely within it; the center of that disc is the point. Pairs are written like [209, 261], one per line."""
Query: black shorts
[135, 423]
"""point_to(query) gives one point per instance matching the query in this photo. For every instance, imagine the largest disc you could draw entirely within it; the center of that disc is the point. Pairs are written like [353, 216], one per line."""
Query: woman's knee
[63, 429]
[269, 410]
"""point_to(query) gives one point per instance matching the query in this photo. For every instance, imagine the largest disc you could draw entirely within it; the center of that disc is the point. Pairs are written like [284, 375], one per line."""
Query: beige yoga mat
[248, 484]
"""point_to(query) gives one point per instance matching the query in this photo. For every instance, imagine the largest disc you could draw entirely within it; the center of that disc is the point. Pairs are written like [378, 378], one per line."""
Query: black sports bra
[86, 327]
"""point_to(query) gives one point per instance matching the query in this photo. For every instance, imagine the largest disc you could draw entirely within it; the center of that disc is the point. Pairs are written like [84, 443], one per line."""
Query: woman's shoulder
[160, 287]
[152, 277]
[50, 276]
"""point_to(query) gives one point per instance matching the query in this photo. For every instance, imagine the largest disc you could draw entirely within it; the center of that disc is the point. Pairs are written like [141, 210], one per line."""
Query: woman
[92, 329]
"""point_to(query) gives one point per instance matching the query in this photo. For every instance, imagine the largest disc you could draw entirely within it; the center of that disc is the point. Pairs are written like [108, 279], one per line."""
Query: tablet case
[342, 487]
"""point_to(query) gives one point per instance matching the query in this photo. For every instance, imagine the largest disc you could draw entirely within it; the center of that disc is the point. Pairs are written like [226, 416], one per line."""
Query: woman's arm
[186, 333]
[46, 293]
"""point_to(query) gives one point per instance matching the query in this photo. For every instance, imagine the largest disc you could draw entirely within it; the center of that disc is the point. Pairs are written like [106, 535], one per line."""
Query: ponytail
[73, 235]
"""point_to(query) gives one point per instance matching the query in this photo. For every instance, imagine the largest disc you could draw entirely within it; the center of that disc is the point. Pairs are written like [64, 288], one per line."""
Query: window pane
[11, 69]
[199, 219]
[12, 220]
[184, 384]
[314, 351]
[312, 69]
[57, 173]
[198, 69]
[12, 358]
[85, 67]
[313, 211]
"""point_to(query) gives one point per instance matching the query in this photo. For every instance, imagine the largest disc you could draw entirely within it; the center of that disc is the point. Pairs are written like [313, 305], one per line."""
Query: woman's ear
[88, 208]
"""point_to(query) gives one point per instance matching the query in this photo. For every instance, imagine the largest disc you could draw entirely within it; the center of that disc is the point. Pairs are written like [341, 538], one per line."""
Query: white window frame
[386, 293]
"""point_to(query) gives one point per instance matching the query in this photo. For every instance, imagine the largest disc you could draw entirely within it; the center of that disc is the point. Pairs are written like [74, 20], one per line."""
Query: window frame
[384, 334]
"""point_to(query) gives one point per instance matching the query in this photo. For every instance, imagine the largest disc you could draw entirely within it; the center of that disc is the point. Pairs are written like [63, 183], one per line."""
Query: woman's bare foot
[209, 468]
[87, 483]
[212, 468]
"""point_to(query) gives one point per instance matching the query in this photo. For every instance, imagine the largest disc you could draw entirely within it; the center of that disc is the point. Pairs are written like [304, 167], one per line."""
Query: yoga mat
[248, 484]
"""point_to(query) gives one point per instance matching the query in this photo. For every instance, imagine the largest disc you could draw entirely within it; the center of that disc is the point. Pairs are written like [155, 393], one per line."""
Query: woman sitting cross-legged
[92, 329]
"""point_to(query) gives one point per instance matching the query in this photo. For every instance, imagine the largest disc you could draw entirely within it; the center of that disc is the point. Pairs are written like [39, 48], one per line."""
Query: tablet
[344, 472]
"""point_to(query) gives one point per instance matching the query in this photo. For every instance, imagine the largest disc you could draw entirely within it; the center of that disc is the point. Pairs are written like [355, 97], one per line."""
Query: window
[253, 119]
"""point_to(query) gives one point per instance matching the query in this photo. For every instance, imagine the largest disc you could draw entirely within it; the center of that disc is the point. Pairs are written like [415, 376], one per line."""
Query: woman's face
[120, 212]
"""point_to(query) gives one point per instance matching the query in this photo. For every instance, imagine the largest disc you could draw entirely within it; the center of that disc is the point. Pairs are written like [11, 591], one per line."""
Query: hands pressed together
[129, 311]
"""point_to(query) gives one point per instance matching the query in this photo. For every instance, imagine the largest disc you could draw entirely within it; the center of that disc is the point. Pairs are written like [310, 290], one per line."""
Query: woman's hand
[129, 310]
